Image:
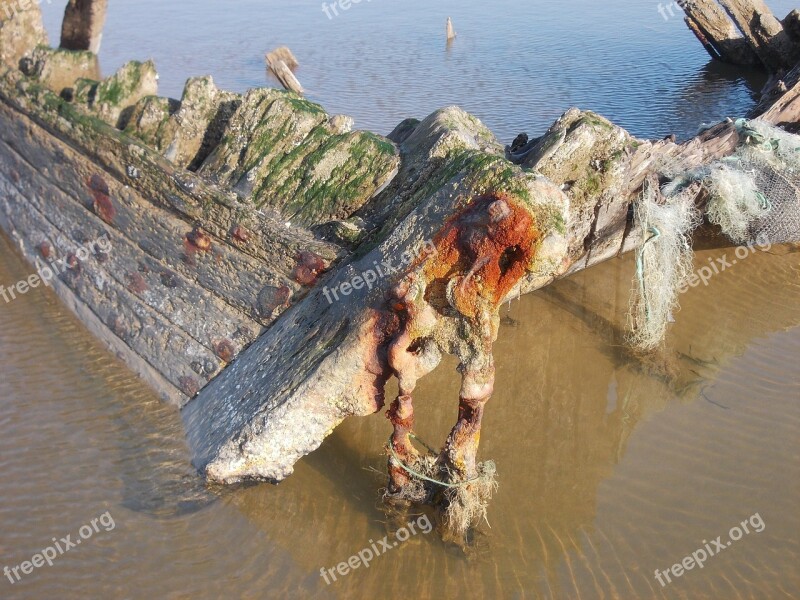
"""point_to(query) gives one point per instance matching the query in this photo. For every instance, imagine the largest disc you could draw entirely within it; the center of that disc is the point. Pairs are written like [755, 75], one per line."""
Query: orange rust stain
[309, 267]
[102, 204]
[225, 350]
[488, 245]
[374, 337]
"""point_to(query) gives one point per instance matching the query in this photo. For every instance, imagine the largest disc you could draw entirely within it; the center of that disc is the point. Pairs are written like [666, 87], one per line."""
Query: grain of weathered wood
[184, 304]
[764, 33]
[717, 33]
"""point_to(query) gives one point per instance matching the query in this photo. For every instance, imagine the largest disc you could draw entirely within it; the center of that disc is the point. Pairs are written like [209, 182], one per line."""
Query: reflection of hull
[568, 401]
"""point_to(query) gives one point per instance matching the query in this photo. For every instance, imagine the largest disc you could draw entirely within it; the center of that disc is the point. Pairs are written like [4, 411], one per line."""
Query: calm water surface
[609, 467]
[517, 65]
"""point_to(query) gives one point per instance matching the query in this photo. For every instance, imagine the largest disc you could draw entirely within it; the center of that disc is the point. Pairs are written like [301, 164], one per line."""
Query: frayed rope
[419, 475]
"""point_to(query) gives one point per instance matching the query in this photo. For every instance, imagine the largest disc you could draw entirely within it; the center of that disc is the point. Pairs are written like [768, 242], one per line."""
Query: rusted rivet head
[225, 350]
[189, 386]
[74, 263]
[199, 239]
[309, 267]
[45, 249]
[240, 234]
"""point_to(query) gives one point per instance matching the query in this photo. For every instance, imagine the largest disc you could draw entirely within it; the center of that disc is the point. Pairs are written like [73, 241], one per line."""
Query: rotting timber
[231, 216]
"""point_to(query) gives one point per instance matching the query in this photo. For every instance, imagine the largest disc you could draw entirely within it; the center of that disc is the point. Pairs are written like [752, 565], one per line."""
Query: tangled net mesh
[663, 263]
[465, 502]
[753, 195]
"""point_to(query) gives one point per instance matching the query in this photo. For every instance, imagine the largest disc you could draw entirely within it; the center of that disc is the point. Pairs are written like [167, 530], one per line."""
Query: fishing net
[663, 262]
[753, 195]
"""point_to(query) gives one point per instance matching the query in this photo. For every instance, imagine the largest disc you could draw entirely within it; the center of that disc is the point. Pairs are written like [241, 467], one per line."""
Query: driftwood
[275, 285]
[282, 63]
[744, 32]
[82, 28]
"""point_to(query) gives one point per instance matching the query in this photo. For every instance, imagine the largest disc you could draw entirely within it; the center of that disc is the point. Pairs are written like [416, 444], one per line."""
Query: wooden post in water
[82, 28]
[451, 32]
[282, 63]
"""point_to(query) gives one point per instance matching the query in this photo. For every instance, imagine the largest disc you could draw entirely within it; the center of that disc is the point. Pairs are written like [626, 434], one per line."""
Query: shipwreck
[230, 219]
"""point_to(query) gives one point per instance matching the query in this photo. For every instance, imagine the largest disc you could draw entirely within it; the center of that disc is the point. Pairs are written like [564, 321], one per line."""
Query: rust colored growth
[136, 283]
[198, 240]
[45, 249]
[308, 269]
[485, 249]
[398, 417]
[270, 298]
[102, 205]
[374, 337]
[240, 234]
[189, 386]
[225, 350]
[74, 263]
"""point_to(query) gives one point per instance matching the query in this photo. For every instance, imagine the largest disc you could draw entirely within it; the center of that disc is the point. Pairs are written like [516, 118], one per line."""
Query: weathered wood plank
[231, 275]
[717, 33]
[764, 33]
[178, 299]
[165, 348]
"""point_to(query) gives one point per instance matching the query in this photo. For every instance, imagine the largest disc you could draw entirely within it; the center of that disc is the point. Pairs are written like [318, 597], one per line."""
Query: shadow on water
[157, 478]
[568, 401]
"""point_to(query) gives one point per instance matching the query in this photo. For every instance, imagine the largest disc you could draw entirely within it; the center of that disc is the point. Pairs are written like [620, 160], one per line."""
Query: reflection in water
[610, 465]
[569, 401]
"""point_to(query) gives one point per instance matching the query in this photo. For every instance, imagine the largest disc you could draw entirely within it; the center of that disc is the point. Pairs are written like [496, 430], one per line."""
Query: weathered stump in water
[451, 32]
[743, 32]
[82, 28]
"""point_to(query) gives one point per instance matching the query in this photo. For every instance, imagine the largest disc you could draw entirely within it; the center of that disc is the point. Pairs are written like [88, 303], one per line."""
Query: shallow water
[609, 468]
[515, 65]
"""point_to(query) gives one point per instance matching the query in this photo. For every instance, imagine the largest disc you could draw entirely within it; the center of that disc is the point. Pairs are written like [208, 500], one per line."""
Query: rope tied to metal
[424, 477]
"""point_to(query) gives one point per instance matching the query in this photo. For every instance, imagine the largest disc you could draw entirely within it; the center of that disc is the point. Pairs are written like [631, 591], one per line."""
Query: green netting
[753, 195]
